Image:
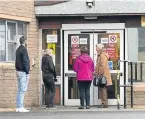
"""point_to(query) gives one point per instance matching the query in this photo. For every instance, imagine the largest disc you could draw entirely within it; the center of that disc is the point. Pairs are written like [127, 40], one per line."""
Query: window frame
[6, 37]
[8, 21]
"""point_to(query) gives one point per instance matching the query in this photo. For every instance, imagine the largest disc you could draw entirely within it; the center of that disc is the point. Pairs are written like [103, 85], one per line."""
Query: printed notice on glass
[83, 40]
[112, 38]
[74, 40]
[104, 40]
[51, 38]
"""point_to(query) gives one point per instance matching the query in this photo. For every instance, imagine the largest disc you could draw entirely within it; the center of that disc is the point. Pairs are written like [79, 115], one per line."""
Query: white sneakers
[22, 110]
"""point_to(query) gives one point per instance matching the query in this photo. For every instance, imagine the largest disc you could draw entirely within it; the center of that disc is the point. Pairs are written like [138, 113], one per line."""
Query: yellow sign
[54, 32]
[143, 21]
[52, 46]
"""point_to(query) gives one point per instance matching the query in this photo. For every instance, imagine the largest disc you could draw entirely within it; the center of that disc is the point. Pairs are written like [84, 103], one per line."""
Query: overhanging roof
[102, 7]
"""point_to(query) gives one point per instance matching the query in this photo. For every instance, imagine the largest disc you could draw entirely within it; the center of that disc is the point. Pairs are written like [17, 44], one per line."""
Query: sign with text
[51, 38]
[104, 40]
[75, 52]
[111, 52]
[83, 40]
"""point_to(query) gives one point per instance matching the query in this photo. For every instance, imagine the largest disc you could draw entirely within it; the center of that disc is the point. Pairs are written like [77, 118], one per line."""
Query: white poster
[83, 40]
[51, 38]
[104, 40]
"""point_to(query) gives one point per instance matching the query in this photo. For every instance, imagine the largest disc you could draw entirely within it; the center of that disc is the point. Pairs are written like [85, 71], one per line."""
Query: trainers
[21, 110]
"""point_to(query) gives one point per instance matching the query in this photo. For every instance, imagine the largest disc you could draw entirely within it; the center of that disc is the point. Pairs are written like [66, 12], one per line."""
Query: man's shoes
[22, 110]
[51, 107]
[81, 107]
[87, 107]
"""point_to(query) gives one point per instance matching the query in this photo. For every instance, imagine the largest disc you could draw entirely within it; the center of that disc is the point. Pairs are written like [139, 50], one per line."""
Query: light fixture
[90, 3]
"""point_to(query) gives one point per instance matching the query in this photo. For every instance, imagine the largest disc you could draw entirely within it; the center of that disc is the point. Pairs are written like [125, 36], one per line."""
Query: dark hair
[84, 49]
[22, 40]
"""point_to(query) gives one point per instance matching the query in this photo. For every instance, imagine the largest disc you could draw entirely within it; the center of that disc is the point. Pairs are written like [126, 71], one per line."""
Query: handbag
[100, 80]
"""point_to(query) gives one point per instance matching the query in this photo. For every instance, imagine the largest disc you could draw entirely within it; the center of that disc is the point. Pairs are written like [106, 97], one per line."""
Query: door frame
[97, 101]
[74, 27]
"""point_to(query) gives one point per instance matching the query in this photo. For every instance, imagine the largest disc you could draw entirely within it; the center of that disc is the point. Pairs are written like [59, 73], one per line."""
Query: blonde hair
[100, 46]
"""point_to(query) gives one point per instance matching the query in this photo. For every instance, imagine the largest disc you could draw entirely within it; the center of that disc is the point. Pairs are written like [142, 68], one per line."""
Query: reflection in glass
[2, 46]
[11, 51]
[111, 43]
[11, 31]
[73, 92]
[113, 89]
[57, 51]
[73, 49]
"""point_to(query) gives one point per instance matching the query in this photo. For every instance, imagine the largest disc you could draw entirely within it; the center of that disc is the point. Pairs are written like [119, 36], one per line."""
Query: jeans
[84, 90]
[22, 80]
[49, 90]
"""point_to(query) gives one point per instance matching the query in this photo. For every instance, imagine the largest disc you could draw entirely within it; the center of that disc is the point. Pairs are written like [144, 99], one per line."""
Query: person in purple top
[84, 67]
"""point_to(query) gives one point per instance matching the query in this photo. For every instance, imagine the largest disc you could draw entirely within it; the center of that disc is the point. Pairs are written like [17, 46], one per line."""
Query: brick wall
[138, 95]
[8, 84]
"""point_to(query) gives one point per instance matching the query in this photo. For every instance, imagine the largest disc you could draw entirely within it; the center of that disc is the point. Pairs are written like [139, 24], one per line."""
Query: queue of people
[83, 66]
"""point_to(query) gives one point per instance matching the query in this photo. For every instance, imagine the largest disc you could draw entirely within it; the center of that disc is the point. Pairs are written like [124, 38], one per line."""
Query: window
[55, 45]
[2, 41]
[10, 32]
[136, 44]
[136, 51]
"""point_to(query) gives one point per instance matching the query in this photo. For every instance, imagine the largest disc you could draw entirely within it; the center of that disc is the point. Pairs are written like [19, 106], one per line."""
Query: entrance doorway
[113, 41]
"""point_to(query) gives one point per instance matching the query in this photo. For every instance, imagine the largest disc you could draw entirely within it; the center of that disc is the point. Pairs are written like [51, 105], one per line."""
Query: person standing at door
[84, 67]
[22, 65]
[49, 78]
[102, 68]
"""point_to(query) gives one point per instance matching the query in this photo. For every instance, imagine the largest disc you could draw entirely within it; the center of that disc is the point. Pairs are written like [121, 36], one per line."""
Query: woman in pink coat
[84, 67]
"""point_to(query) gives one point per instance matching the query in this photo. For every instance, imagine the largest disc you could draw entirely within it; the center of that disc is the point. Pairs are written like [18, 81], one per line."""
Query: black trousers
[49, 90]
[84, 90]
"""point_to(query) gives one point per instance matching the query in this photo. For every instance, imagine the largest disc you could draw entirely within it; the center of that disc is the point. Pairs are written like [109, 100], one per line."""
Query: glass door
[73, 41]
[113, 43]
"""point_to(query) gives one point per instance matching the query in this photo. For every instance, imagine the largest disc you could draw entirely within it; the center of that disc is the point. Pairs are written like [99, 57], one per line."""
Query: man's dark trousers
[49, 90]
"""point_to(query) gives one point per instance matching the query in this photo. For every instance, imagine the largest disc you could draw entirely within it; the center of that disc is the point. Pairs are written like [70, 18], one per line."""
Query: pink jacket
[84, 67]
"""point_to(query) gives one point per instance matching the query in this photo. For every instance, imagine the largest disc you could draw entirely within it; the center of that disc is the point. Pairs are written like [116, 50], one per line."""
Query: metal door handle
[70, 74]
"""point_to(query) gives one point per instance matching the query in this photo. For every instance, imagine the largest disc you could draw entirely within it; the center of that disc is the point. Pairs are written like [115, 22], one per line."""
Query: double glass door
[113, 42]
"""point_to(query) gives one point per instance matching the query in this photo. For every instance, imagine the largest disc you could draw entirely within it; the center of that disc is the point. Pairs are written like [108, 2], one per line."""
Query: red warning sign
[112, 39]
[74, 40]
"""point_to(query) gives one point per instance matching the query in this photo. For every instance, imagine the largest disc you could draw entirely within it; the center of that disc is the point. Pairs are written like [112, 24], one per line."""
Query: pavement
[75, 109]
[74, 113]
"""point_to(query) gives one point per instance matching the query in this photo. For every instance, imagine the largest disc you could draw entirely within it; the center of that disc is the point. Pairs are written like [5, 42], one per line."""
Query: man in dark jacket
[49, 78]
[22, 65]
